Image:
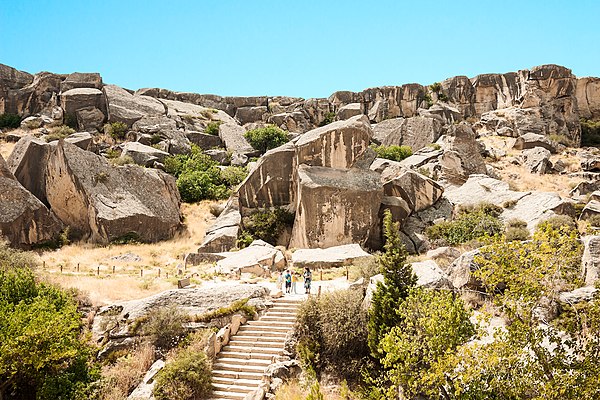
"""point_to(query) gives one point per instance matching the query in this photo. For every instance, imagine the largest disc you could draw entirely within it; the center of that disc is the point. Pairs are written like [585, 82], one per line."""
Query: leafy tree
[10, 120]
[187, 377]
[40, 347]
[268, 225]
[393, 152]
[398, 278]
[269, 137]
[434, 323]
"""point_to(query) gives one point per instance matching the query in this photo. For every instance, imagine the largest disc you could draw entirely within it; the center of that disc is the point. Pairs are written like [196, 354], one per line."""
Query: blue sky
[302, 48]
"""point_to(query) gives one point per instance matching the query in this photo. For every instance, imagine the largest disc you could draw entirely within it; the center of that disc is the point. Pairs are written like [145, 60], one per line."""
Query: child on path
[288, 281]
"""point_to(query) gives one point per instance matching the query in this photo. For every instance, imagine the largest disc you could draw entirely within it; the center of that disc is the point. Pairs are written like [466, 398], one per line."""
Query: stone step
[261, 343]
[289, 301]
[253, 349]
[280, 318]
[220, 395]
[251, 338]
[239, 386]
[249, 356]
[243, 363]
[280, 313]
[264, 326]
[284, 323]
[238, 367]
[262, 334]
[225, 373]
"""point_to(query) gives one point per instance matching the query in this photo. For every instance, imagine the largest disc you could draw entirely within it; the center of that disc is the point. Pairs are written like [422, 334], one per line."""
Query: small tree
[398, 278]
[269, 137]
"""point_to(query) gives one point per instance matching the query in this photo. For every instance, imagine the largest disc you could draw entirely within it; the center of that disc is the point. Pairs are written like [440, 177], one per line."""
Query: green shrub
[269, 137]
[393, 152]
[12, 258]
[516, 229]
[213, 128]
[165, 326]
[194, 186]
[122, 160]
[443, 96]
[472, 222]
[590, 132]
[10, 121]
[187, 377]
[233, 175]
[328, 118]
[117, 130]
[332, 333]
[127, 238]
[435, 87]
[59, 132]
[268, 225]
[557, 222]
[235, 307]
[244, 239]
[112, 153]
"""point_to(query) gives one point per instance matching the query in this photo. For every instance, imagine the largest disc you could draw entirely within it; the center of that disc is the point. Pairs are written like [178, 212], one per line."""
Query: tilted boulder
[128, 108]
[349, 111]
[143, 155]
[460, 272]
[415, 132]
[222, 235]
[78, 80]
[24, 220]
[532, 140]
[537, 160]
[462, 156]
[335, 206]
[81, 98]
[588, 97]
[536, 207]
[258, 259]
[482, 188]
[28, 164]
[590, 260]
[103, 203]
[232, 136]
[429, 275]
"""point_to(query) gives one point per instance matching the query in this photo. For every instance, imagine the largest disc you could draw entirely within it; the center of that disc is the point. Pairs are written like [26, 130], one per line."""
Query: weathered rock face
[143, 155]
[128, 108]
[81, 80]
[103, 203]
[335, 206]
[419, 191]
[415, 132]
[462, 155]
[82, 98]
[270, 183]
[337, 145]
[349, 111]
[590, 260]
[24, 220]
[482, 188]
[335, 256]
[25, 94]
[90, 118]
[222, 235]
[28, 164]
[537, 160]
[532, 140]
[588, 97]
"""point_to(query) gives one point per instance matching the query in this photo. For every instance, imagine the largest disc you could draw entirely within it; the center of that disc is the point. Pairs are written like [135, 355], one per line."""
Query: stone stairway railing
[240, 365]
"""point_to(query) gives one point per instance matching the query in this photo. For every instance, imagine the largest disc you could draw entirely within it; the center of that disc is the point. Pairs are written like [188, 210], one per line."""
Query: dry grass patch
[522, 180]
[6, 148]
[126, 373]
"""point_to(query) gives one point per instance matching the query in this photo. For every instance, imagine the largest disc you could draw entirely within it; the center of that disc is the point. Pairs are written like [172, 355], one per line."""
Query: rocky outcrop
[222, 235]
[78, 80]
[462, 156]
[24, 220]
[335, 206]
[103, 203]
[588, 98]
[415, 132]
[335, 256]
[75, 100]
[590, 260]
[257, 259]
[128, 108]
[537, 160]
[232, 135]
[532, 140]
[143, 155]
[28, 162]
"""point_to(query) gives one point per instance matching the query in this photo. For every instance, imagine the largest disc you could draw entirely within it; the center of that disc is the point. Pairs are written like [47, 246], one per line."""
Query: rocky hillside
[327, 176]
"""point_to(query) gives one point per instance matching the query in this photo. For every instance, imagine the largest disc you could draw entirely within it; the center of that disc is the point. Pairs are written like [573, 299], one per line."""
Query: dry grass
[126, 373]
[126, 283]
[294, 390]
[6, 148]
[522, 180]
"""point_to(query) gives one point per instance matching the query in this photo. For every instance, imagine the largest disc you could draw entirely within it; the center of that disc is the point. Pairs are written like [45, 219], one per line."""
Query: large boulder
[536, 207]
[143, 155]
[335, 206]
[337, 145]
[28, 164]
[532, 140]
[462, 156]
[90, 118]
[429, 275]
[590, 260]
[24, 220]
[415, 132]
[78, 80]
[257, 259]
[82, 98]
[482, 188]
[223, 234]
[335, 256]
[537, 160]
[25, 94]
[270, 182]
[232, 136]
[128, 108]
[588, 98]
[103, 203]
[460, 272]
[349, 111]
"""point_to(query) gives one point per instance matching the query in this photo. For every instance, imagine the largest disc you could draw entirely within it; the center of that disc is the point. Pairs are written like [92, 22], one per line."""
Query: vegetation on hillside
[392, 152]
[269, 137]
[199, 176]
[267, 225]
[10, 121]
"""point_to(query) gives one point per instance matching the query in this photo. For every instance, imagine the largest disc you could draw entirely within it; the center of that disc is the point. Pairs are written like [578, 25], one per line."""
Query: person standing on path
[294, 282]
[307, 280]
[288, 281]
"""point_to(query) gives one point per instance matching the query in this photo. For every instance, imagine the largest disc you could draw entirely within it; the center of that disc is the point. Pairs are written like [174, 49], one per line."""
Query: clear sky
[300, 48]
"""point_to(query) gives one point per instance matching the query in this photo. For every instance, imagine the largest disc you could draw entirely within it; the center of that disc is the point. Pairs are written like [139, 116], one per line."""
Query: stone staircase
[239, 367]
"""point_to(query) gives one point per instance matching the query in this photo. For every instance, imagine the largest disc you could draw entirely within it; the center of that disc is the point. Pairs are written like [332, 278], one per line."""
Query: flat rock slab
[331, 257]
[256, 259]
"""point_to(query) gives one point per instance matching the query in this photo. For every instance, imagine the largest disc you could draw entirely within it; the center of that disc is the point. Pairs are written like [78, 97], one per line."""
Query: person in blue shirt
[288, 281]
[307, 275]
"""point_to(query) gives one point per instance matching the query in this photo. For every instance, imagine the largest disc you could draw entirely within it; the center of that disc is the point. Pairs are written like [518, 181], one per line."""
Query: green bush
[117, 130]
[187, 377]
[213, 128]
[471, 223]
[435, 87]
[59, 132]
[9, 121]
[269, 137]
[557, 222]
[328, 118]
[590, 132]
[332, 333]
[268, 225]
[165, 326]
[393, 152]
[235, 307]
[199, 178]
[12, 258]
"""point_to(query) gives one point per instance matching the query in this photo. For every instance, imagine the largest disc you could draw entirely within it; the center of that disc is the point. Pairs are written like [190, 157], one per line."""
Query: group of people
[290, 278]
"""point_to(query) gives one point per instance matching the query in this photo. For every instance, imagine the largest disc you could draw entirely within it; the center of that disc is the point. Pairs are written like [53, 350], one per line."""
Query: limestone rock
[250, 114]
[590, 160]
[204, 140]
[335, 206]
[388, 128]
[28, 164]
[482, 188]
[588, 98]
[337, 145]
[536, 207]
[460, 271]
[335, 256]
[590, 260]
[349, 111]
[270, 182]
[445, 113]
[90, 118]
[83, 140]
[82, 98]
[143, 155]
[78, 80]
[232, 136]
[25, 95]
[154, 124]
[591, 208]
[24, 220]
[422, 157]
[579, 295]
[462, 156]
[35, 122]
[537, 160]
[419, 191]
[222, 235]
[256, 259]
[103, 203]
[128, 108]
[429, 275]
[532, 140]
[415, 132]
